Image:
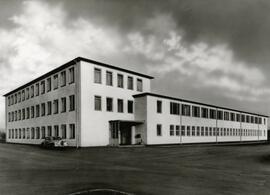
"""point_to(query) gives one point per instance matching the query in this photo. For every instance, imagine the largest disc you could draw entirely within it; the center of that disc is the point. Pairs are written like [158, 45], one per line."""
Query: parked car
[54, 142]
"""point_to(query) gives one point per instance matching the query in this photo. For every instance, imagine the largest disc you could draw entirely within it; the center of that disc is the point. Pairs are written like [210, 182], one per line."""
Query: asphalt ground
[199, 169]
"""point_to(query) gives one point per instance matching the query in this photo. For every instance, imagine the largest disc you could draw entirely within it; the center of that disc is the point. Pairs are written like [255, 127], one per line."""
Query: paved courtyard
[143, 170]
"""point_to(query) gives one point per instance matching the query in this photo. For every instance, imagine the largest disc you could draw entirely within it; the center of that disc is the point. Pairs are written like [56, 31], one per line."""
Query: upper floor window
[159, 106]
[19, 97]
[37, 111]
[37, 89]
[195, 111]
[63, 78]
[23, 95]
[71, 75]
[185, 110]
[27, 93]
[220, 115]
[120, 105]
[247, 118]
[15, 98]
[42, 86]
[97, 75]
[71, 102]
[32, 91]
[213, 114]
[174, 108]
[49, 108]
[139, 85]
[226, 116]
[120, 80]
[55, 106]
[130, 82]
[49, 84]
[243, 117]
[97, 103]
[109, 104]
[232, 115]
[130, 106]
[32, 111]
[43, 109]
[204, 112]
[109, 78]
[55, 81]
[63, 104]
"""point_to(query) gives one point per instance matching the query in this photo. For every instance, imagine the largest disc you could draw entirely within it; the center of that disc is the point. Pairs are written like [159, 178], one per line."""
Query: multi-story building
[89, 103]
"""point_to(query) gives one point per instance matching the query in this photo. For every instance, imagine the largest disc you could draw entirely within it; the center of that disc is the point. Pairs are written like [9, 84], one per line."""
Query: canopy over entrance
[123, 131]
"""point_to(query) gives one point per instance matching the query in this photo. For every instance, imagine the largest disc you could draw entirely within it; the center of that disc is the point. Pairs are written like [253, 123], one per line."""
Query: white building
[89, 103]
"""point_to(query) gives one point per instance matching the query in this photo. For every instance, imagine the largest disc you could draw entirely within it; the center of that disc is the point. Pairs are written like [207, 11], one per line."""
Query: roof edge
[194, 102]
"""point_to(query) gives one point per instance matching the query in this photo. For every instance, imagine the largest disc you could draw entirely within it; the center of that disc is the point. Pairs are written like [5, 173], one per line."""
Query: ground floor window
[72, 131]
[159, 130]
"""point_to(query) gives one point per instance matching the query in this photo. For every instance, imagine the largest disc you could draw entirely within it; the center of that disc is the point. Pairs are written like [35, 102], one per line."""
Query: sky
[211, 51]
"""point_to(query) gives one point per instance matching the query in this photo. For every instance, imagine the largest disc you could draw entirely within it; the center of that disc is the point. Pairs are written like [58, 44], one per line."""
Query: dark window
[120, 105]
[139, 85]
[37, 89]
[63, 104]
[32, 111]
[32, 91]
[204, 112]
[71, 75]
[238, 117]
[213, 114]
[97, 103]
[55, 106]
[49, 129]
[72, 131]
[195, 111]
[42, 85]
[37, 111]
[109, 104]
[232, 115]
[130, 106]
[109, 78]
[97, 75]
[185, 110]
[71, 102]
[63, 78]
[159, 106]
[55, 81]
[49, 84]
[43, 107]
[120, 80]
[220, 115]
[226, 116]
[56, 131]
[64, 131]
[130, 83]
[171, 130]
[49, 108]
[174, 108]
[159, 130]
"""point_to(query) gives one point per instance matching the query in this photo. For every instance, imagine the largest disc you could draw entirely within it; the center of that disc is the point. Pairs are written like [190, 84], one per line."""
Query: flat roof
[194, 102]
[73, 62]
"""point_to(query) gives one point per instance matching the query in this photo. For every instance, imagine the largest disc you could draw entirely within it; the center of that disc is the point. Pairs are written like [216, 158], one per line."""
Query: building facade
[89, 103]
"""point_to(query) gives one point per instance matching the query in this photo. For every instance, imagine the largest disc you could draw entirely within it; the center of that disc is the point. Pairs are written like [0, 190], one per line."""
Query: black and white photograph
[124, 97]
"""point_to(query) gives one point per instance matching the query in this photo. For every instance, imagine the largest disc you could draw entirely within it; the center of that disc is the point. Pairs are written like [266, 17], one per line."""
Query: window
[20, 133]
[15, 99]
[188, 130]
[19, 96]
[114, 130]
[206, 131]
[56, 131]
[97, 75]
[171, 130]
[16, 115]
[174, 108]
[32, 91]
[97, 103]
[120, 80]
[37, 111]
[252, 119]
[63, 78]
[42, 132]
[37, 133]
[43, 109]
[55, 81]
[32, 111]
[226, 116]
[109, 78]
[32, 133]
[71, 75]
[27, 93]
[220, 115]
[193, 130]
[49, 84]
[27, 113]
[232, 115]
[63, 104]
[55, 106]
[177, 130]
[120, 105]
[198, 131]
[247, 118]
[64, 131]
[8, 101]
[49, 108]
[109, 104]
[195, 111]
[72, 131]
[212, 114]
[159, 130]
[19, 115]
[202, 131]
[42, 86]
[204, 112]
[130, 82]
[23, 95]
[185, 110]
[139, 85]
[159, 106]
[49, 129]
[243, 117]
[238, 117]
[183, 128]
[37, 89]
[130, 106]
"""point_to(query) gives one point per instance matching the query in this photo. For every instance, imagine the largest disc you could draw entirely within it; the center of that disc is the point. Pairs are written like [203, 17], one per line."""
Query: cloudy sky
[213, 51]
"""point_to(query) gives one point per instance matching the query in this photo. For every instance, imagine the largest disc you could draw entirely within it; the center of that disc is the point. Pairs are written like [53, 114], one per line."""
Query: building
[89, 103]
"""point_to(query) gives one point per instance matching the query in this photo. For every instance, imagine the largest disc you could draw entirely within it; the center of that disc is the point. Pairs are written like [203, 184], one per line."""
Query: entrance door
[126, 135]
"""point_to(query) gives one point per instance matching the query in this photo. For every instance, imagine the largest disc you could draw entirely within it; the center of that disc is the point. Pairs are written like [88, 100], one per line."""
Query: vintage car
[53, 142]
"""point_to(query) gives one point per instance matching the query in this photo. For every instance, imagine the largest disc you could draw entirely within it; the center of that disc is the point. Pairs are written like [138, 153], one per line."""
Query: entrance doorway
[125, 134]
